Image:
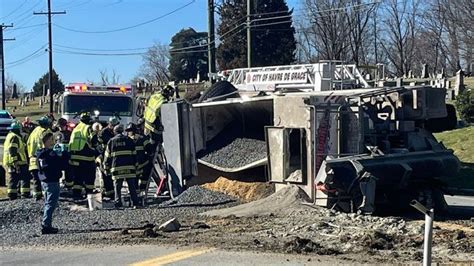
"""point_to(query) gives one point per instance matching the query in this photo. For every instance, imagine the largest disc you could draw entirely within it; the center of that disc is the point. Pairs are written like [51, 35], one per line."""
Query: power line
[104, 50]
[29, 26]
[129, 27]
[98, 54]
[28, 60]
[50, 50]
[230, 31]
[16, 9]
[28, 56]
[27, 39]
[27, 14]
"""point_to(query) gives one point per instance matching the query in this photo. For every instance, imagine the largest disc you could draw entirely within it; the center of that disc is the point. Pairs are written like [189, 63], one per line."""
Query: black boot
[12, 196]
[49, 230]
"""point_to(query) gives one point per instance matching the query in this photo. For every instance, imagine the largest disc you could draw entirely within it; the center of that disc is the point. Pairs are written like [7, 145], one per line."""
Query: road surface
[154, 255]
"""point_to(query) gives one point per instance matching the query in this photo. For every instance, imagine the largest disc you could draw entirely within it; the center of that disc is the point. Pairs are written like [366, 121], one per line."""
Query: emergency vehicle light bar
[82, 87]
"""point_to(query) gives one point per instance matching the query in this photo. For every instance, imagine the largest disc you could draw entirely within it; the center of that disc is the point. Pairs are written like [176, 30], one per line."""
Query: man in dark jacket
[120, 161]
[51, 162]
[104, 136]
[143, 148]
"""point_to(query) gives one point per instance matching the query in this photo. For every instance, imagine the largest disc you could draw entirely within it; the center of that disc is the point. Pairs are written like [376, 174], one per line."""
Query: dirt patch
[279, 203]
[244, 191]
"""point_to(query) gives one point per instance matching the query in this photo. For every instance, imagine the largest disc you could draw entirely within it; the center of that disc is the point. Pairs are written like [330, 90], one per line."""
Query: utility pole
[211, 38]
[249, 34]
[2, 63]
[50, 50]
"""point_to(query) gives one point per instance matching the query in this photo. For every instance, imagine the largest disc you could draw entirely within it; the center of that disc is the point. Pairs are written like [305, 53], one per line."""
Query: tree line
[403, 35]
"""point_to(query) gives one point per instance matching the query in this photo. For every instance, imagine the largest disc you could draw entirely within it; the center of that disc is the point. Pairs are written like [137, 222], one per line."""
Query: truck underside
[351, 150]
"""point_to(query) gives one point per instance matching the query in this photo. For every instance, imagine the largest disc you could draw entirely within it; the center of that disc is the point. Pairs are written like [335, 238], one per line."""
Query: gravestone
[424, 71]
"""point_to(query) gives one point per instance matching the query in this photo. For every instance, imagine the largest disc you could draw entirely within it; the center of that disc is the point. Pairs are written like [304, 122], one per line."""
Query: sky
[26, 58]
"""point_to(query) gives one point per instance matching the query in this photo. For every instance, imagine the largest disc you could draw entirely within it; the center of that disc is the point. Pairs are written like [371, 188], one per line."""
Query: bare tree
[358, 20]
[335, 29]
[155, 64]
[398, 42]
[107, 79]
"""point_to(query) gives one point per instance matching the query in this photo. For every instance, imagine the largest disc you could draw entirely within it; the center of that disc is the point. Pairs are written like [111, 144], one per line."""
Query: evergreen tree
[58, 85]
[185, 63]
[272, 34]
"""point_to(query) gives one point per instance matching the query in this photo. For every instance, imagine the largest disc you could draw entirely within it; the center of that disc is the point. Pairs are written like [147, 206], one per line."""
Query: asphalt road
[154, 255]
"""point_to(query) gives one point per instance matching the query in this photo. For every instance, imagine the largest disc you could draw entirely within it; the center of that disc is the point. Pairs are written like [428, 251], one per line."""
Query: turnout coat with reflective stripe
[34, 143]
[142, 146]
[80, 145]
[152, 112]
[14, 150]
[120, 158]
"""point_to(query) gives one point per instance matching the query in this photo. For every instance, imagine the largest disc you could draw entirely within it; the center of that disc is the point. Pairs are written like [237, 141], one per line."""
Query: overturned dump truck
[322, 127]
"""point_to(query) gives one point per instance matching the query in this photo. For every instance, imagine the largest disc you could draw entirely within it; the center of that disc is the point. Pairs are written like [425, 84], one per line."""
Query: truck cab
[102, 102]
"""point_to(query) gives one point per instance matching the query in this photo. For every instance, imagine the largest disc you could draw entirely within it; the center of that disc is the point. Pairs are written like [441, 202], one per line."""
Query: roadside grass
[32, 109]
[462, 142]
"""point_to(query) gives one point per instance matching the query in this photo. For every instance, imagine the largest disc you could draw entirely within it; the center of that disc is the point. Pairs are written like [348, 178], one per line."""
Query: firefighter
[120, 161]
[16, 163]
[149, 150]
[33, 144]
[63, 135]
[27, 128]
[153, 126]
[142, 147]
[104, 136]
[82, 157]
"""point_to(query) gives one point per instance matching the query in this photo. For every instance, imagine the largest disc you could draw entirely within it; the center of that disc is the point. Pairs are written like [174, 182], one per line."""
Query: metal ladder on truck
[159, 175]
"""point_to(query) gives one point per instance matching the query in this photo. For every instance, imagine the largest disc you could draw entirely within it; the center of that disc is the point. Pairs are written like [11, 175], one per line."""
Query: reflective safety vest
[80, 143]
[120, 158]
[14, 141]
[152, 112]
[33, 144]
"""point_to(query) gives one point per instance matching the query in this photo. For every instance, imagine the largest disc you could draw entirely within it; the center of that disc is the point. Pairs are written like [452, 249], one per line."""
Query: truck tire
[217, 89]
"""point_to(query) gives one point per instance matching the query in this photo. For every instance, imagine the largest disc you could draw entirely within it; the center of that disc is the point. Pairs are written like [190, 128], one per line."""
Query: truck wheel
[217, 89]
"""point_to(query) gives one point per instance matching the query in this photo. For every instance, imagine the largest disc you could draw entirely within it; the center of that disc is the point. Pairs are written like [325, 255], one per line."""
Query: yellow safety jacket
[80, 145]
[152, 112]
[34, 143]
[19, 156]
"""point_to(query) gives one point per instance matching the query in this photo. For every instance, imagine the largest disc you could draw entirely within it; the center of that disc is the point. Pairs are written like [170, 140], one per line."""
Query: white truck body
[102, 102]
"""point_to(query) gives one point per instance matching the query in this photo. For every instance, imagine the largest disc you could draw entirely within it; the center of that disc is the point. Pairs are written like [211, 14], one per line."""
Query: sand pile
[244, 191]
[281, 202]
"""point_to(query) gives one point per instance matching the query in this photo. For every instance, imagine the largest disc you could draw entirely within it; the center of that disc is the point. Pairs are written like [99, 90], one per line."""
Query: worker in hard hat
[15, 163]
[34, 144]
[82, 157]
[152, 115]
[142, 147]
[120, 161]
[104, 136]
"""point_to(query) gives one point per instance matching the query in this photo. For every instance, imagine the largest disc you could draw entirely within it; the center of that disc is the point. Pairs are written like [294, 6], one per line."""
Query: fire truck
[102, 102]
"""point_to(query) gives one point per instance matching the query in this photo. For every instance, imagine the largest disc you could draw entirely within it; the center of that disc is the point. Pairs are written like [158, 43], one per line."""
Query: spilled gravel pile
[237, 153]
[20, 220]
[199, 196]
